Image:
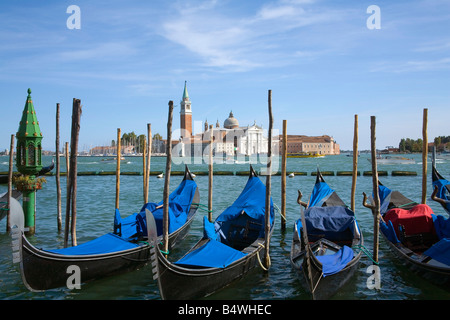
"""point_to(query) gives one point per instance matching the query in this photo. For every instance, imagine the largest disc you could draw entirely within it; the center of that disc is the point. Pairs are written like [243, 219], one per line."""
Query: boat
[441, 186]
[393, 160]
[419, 238]
[324, 242]
[229, 248]
[305, 155]
[43, 171]
[123, 250]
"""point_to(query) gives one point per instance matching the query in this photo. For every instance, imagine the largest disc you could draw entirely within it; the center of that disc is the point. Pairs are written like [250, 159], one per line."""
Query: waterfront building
[301, 144]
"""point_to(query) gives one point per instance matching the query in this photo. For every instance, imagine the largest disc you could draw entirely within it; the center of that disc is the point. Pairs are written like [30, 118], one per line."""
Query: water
[95, 210]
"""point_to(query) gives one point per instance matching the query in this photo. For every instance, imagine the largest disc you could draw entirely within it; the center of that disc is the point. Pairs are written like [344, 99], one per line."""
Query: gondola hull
[327, 286]
[43, 269]
[231, 247]
[323, 240]
[417, 260]
[180, 283]
[433, 271]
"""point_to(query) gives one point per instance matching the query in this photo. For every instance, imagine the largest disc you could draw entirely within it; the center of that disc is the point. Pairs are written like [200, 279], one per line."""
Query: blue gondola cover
[103, 244]
[440, 251]
[211, 255]
[320, 193]
[334, 263]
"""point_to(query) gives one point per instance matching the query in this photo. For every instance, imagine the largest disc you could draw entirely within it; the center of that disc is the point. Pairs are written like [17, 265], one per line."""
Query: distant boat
[305, 155]
[393, 160]
[291, 175]
[160, 176]
[112, 160]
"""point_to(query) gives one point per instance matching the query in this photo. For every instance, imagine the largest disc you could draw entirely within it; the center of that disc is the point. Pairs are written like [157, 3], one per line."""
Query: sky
[324, 61]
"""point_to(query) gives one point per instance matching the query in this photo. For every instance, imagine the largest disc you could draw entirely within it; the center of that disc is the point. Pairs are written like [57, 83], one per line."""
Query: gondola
[419, 238]
[45, 170]
[326, 242]
[123, 250]
[441, 186]
[229, 249]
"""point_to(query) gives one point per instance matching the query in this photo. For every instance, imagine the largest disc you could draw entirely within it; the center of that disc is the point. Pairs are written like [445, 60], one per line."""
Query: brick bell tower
[185, 114]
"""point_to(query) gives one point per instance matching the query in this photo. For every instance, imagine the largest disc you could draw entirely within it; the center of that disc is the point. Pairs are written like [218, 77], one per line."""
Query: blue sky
[319, 58]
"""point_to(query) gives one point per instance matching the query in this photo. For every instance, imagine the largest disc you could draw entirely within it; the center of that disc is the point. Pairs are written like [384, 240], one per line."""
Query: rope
[279, 211]
[366, 252]
[203, 209]
[259, 259]
[404, 205]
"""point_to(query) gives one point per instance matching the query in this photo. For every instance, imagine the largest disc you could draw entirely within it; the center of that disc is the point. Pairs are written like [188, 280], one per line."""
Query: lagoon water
[95, 213]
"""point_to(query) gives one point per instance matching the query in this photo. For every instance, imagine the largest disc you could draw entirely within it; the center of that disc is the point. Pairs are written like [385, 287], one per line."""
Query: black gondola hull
[327, 286]
[438, 275]
[43, 270]
[180, 283]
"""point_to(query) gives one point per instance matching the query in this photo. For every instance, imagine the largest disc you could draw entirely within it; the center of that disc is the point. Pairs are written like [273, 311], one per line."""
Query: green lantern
[29, 160]
[29, 138]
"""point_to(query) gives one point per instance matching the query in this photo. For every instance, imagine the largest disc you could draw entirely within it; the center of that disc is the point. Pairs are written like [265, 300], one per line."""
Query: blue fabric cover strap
[334, 263]
[104, 244]
[213, 254]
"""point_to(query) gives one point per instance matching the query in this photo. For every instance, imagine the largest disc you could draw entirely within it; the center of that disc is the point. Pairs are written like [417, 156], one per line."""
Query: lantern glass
[31, 155]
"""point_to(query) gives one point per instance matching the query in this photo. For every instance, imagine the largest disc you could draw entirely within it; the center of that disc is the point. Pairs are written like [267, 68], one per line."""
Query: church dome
[231, 122]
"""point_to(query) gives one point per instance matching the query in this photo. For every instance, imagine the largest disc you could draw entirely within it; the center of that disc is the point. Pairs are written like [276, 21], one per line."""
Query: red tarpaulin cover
[415, 221]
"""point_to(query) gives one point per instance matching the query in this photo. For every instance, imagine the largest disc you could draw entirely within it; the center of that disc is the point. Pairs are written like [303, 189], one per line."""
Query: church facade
[229, 140]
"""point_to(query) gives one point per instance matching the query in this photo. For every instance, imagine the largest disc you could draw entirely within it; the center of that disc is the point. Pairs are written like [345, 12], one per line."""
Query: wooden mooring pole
[355, 163]
[424, 155]
[376, 196]
[167, 180]
[10, 177]
[118, 153]
[283, 176]
[210, 173]
[58, 174]
[149, 157]
[67, 220]
[268, 184]
[71, 207]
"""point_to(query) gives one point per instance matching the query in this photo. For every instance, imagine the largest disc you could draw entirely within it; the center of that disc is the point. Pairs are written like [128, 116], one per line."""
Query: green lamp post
[29, 161]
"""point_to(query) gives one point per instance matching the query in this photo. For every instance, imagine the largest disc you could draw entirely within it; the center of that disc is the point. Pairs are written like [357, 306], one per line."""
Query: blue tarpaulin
[237, 226]
[443, 193]
[320, 193]
[211, 255]
[440, 251]
[104, 244]
[333, 223]
[247, 210]
[132, 227]
[179, 205]
[334, 263]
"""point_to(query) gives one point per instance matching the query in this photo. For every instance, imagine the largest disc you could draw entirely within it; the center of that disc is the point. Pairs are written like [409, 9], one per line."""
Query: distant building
[322, 145]
[231, 139]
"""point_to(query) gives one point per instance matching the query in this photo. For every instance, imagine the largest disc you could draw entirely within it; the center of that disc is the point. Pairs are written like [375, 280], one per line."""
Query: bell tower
[185, 114]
